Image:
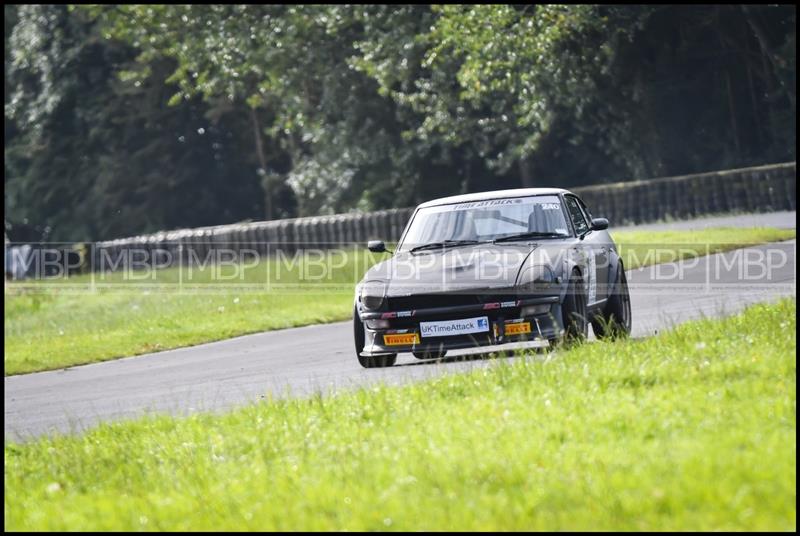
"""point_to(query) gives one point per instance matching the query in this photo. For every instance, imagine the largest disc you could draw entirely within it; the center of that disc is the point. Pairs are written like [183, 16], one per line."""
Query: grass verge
[694, 429]
[82, 320]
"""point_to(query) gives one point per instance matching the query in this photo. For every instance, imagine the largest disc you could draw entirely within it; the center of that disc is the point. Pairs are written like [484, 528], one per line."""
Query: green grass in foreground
[694, 429]
[47, 326]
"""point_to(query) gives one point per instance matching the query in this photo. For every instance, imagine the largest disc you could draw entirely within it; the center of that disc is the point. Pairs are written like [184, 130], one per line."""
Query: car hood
[459, 269]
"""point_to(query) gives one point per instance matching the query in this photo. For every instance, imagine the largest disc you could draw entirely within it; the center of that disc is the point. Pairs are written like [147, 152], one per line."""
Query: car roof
[496, 194]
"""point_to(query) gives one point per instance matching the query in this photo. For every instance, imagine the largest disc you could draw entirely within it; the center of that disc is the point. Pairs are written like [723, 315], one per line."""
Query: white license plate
[446, 328]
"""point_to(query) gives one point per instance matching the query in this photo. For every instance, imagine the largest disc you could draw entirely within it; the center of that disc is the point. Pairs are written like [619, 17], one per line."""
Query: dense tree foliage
[126, 119]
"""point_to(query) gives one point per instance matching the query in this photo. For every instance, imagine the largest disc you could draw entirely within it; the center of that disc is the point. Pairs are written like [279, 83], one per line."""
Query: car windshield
[538, 216]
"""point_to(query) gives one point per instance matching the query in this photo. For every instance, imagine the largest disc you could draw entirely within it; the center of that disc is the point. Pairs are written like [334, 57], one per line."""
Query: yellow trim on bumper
[517, 328]
[400, 339]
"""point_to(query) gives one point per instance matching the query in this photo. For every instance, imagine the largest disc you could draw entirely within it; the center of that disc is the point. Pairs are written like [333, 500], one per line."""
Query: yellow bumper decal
[400, 339]
[517, 328]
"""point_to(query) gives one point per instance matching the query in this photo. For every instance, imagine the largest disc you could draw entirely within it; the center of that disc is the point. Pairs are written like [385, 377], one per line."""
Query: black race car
[511, 267]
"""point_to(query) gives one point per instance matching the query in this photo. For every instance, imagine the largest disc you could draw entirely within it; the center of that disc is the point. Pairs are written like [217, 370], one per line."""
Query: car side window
[576, 215]
[588, 214]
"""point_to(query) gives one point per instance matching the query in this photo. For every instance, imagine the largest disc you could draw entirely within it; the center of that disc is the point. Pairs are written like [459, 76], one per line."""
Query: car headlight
[372, 295]
[538, 278]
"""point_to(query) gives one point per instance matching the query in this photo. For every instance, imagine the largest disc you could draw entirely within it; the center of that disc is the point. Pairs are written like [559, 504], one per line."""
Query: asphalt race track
[302, 361]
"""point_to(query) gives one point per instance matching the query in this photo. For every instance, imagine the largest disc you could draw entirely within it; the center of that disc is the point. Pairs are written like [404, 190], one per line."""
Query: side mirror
[376, 246]
[599, 224]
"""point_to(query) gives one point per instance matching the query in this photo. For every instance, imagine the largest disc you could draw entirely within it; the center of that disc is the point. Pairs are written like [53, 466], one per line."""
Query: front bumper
[506, 325]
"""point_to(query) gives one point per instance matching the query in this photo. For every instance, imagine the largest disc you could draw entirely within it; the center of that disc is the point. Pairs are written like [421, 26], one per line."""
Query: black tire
[436, 354]
[615, 319]
[573, 312]
[377, 361]
[386, 360]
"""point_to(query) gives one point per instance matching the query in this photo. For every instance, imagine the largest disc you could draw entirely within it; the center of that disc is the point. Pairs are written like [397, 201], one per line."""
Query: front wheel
[386, 360]
[436, 354]
[377, 361]
[615, 320]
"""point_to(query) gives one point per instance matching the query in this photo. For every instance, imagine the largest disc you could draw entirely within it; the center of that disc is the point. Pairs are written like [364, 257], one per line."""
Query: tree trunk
[465, 184]
[732, 112]
[525, 173]
[766, 50]
[753, 99]
[262, 160]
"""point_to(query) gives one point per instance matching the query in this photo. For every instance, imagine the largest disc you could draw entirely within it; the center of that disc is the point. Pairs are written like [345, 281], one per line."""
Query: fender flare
[615, 261]
[569, 266]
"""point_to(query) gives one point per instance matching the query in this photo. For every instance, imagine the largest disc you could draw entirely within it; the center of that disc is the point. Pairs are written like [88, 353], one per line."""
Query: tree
[124, 119]
[95, 157]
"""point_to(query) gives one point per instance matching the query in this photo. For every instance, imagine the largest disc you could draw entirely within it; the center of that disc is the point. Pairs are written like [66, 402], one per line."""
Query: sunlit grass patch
[692, 430]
